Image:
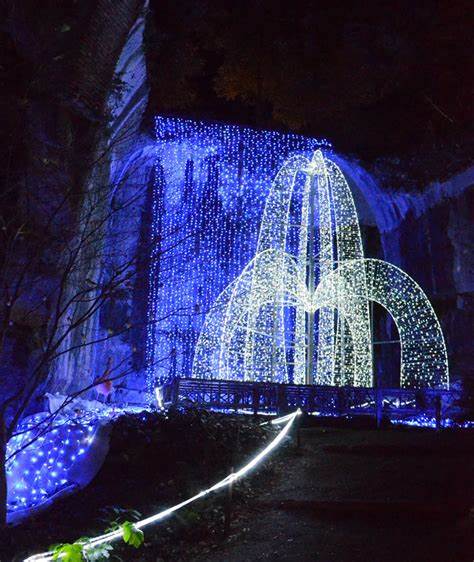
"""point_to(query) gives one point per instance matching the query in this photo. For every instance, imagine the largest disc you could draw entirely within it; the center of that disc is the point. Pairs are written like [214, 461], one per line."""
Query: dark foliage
[377, 78]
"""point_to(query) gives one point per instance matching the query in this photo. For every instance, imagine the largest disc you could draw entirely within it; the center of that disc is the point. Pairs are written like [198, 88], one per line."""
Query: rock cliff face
[435, 243]
[74, 122]
[126, 172]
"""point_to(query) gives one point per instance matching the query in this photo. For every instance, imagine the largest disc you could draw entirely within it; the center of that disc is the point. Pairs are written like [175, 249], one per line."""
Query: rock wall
[77, 116]
[120, 323]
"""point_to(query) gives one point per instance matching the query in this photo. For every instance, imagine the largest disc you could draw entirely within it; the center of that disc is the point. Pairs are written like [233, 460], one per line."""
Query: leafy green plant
[77, 551]
[69, 552]
[99, 553]
[132, 535]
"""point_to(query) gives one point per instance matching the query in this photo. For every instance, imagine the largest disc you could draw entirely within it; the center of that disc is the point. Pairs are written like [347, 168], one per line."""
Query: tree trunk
[3, 475]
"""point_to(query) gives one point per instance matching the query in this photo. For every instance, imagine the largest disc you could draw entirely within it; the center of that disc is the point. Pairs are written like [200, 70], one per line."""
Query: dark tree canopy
[375, 77]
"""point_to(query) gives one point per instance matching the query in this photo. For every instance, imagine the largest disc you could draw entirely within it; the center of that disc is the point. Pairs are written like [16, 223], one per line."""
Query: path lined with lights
[114, 535]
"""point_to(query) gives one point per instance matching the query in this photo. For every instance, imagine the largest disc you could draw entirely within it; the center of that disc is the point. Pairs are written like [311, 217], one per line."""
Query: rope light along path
[114, 535]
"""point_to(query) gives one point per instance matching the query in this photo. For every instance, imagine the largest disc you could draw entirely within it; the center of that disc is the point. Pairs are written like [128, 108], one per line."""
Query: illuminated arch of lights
[307, 311]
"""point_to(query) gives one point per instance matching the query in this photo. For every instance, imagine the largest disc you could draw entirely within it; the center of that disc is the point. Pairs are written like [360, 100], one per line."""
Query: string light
[424, 360]
[246, 333]
[40, 461]
[210, 186]
[44, 454]
[233, 477]
[422, 420]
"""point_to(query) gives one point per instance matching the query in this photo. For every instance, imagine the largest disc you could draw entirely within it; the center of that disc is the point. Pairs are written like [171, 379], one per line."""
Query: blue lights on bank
[52, 454]
[41, 456]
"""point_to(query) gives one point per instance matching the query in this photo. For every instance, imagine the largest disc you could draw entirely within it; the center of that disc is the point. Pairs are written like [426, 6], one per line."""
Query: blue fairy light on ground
[41, 455]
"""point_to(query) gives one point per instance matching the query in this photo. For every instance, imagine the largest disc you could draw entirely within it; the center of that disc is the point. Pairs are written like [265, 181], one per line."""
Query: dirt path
[361, 496]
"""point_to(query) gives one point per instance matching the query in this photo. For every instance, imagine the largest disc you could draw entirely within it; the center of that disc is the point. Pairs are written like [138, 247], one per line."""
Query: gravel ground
[360, 496]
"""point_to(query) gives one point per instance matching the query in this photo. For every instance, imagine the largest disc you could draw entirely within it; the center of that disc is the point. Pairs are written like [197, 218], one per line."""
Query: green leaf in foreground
[132, 535]
[69, 552]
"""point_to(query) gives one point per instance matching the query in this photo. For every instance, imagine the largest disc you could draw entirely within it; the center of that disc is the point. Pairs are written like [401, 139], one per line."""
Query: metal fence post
[438, 412]
[255, 399]
[298, 433]
[175, 391]
[282, 402]
[341, 401]
[378, 407]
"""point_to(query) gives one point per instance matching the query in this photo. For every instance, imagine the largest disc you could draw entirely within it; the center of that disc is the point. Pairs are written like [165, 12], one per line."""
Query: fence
[261, 397]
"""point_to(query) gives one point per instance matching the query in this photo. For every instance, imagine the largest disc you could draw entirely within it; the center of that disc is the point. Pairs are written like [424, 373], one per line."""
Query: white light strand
[245, 337]
[115, 535]
[424, 360]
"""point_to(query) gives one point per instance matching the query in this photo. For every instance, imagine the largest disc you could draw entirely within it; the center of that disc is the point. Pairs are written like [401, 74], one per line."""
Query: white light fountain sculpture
[248, 335]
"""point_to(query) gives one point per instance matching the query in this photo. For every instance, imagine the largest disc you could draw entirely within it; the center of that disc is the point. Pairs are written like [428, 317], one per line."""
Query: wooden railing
[393, 403]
